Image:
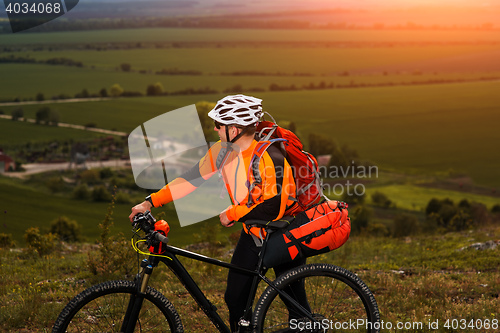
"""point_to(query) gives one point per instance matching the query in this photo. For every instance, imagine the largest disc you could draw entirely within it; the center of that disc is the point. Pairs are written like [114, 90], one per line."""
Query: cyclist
[235, 119]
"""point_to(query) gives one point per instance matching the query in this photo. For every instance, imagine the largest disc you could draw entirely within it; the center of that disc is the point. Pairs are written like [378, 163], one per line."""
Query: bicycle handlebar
[145, 221]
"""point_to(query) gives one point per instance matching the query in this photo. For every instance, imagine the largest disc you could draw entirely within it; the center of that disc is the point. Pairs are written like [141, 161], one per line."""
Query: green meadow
[187, 35]
[404, 125]
[426, 141]
[428, 128]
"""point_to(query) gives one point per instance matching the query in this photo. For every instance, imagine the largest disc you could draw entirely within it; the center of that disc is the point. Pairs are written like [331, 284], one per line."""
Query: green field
[19, 133]
[243, 35]
[429, 128]
[416, 198]
[411, 127]
[265, 58]
[328, 56]
[28, 205]
[427, 141]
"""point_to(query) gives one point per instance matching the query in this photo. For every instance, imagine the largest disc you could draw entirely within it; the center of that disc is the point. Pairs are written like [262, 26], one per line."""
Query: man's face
[221, 131]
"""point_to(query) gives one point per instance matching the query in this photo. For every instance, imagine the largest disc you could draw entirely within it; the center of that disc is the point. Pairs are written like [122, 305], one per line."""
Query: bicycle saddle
[278, 224]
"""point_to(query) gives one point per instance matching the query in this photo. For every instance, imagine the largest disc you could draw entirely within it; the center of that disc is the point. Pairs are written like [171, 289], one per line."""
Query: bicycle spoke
[334, 302]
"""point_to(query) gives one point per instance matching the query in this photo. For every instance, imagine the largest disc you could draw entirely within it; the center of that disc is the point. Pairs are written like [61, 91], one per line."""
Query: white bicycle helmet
[237, 110]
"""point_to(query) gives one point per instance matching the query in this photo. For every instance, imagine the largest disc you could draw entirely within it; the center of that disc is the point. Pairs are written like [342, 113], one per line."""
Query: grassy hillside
[418, 279]
[29, 203]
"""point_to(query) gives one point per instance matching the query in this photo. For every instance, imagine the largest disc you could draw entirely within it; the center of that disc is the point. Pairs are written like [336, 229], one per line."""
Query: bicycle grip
[161, 238]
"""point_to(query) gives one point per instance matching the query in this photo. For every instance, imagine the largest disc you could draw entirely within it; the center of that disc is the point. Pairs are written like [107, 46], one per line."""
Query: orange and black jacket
[270, 198]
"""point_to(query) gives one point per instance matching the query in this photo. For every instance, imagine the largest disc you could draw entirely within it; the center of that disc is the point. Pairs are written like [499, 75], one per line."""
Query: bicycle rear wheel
[338, 299]
[102, 308]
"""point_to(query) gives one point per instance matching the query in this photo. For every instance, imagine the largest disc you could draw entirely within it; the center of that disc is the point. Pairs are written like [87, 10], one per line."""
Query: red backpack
[304, 165]
[321, 229]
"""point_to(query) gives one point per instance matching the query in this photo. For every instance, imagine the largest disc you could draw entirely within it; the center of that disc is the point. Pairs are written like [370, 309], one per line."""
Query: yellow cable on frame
[136, 249]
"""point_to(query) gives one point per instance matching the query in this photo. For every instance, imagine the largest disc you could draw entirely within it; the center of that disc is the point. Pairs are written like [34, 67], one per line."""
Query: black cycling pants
[246, 255]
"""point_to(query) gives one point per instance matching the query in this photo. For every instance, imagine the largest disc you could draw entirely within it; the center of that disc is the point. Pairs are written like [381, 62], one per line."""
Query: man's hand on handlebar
[140, 208]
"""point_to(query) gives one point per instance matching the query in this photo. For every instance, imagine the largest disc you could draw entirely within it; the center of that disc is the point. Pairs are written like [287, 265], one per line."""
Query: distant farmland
[398, 120]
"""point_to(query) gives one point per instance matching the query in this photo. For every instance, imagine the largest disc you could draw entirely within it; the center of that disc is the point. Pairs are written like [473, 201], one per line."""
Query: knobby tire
[101, 308]
[339, 302]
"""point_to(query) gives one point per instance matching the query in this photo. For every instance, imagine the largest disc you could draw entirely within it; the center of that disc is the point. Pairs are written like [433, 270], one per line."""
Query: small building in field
[5, 162]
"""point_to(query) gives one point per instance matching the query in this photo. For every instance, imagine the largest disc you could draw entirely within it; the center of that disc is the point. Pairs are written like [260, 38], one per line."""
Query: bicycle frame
[192, 287]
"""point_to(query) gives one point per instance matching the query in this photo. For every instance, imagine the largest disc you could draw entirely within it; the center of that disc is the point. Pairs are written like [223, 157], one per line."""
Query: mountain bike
[338, 301]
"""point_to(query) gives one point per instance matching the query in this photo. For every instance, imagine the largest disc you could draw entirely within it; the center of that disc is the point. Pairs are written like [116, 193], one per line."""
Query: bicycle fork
[136, 300]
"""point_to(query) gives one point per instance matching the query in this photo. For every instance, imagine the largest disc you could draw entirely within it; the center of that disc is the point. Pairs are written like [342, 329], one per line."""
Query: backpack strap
[253, 168]
[294, 241]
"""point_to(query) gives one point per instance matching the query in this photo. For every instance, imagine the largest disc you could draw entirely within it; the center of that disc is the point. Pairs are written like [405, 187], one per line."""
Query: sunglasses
[217, 124]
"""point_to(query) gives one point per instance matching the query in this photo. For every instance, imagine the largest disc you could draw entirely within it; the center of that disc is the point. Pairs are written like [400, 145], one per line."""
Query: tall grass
[418, 279]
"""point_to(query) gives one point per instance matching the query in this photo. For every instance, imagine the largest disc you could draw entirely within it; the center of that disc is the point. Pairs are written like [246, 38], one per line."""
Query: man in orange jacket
[235, 118]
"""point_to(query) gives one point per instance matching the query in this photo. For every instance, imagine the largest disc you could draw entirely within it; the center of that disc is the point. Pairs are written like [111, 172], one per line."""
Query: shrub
[106, 173]
[351, 196]
[114, 257]
[90, 176]
[380, 199]
[377, 229]
[207, 123]
[361, 216]
[155, 89]
[495, 209]
[404, 225]
[460, 221]
[39, 97]
[122, 198]
[479, 213]
[116, 90]
[67, 230]
[6, 241]
[41, 244]
[55, 184]
[433, 206]
[81, 192]
[125, 67]
[101, 194]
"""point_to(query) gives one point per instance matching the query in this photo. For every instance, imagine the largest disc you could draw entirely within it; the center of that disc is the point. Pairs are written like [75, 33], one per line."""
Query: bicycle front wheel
[336, 299]
[102, 308]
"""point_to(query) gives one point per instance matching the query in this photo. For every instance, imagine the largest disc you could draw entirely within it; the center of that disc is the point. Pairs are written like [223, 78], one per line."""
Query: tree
[360, 218]
[17, 114]
[321, 145]
[207, 124]
[83, 94]
[47, 116]
[125, 67]
[40, 97]
[154, 89]
[116, 90]
[103, 92]
[42, 115]
[380, 199]
[101, 194]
